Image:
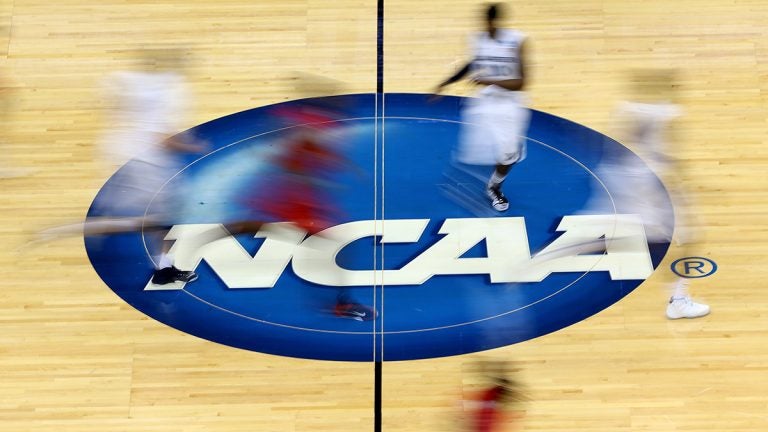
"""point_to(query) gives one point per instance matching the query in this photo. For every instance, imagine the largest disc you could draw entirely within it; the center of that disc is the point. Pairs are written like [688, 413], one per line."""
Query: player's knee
[503, 168]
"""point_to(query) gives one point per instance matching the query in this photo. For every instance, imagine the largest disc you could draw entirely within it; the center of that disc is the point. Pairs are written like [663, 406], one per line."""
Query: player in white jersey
[494, 122]
[145, 107]
[646, 123]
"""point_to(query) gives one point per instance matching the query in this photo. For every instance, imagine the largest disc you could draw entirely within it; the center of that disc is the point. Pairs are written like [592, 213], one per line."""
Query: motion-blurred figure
[497, 406]
[145, 108]
[7, 170]
[646, 124]
[298, 187]
[495, 121]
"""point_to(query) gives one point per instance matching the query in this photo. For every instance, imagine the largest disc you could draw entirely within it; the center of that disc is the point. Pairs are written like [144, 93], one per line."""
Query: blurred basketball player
[494, 122]
[145, 107]
[496, 406]
[310, 159]
[646, 124]
[7, 170]
[303, 170]
[300, 181]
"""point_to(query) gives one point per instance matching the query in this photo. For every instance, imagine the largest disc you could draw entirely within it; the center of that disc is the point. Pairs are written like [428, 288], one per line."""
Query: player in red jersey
[300, 184]
[495, 410]
[497, 406]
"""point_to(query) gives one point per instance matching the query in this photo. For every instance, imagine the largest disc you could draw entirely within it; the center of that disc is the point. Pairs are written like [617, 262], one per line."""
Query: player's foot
[498, 201]
[355, 311]
[172, 274]
[684, 307]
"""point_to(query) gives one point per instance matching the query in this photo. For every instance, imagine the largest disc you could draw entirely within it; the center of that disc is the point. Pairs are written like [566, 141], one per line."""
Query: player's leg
[680, 304]
[482, 128]
[493, 189]
[166, 211]
[165, 270]
[664, 225]
[508, 126]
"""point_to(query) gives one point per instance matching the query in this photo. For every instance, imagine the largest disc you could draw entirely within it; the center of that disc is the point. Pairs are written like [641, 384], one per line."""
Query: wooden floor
[75, 358]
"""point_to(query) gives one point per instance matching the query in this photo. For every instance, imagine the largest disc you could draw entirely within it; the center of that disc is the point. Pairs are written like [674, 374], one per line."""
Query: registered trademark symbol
[694, 267]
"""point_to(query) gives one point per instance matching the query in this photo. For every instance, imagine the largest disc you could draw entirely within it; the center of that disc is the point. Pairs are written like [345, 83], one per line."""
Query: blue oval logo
[414, 239]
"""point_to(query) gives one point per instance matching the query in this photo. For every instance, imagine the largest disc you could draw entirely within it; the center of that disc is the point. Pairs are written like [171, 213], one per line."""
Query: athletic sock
[680, 289]
[165, 261]
[496, 179]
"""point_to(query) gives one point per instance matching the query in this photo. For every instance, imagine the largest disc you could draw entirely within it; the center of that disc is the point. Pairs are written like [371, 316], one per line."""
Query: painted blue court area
[425, 215]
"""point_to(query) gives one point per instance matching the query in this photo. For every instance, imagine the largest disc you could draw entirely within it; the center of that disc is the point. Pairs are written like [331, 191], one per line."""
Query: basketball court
[88, 345]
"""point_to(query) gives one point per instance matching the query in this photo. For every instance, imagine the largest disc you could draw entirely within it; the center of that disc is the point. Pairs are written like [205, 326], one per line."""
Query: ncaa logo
[446, 277]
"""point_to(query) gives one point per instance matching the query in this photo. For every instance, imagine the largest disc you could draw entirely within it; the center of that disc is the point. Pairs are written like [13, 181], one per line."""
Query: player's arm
[511, 84]
[460, 74]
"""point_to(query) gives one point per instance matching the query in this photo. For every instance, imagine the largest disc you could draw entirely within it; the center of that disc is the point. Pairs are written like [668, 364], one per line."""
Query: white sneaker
[684, 307]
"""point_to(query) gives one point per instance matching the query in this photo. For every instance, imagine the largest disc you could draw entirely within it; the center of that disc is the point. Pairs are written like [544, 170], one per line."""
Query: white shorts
[493, 131]
[633, 189]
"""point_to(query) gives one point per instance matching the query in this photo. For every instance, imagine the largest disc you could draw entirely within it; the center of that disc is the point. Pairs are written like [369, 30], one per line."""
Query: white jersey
[631, 188]
[496, 58]
[496, 121]
[147, 107]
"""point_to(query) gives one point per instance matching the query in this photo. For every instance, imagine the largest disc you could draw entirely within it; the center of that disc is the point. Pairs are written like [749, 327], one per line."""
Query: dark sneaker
[498, 201]
[355, 311]
[172, 274]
